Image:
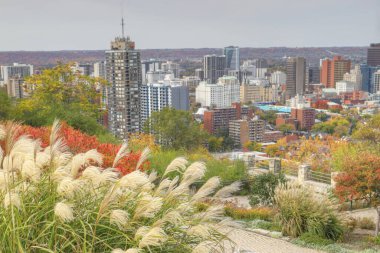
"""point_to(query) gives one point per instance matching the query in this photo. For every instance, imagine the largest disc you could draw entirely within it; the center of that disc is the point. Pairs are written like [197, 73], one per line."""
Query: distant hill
[48, 58]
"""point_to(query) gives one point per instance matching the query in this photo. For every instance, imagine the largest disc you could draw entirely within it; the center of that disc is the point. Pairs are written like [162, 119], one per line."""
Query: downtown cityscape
[226, 146]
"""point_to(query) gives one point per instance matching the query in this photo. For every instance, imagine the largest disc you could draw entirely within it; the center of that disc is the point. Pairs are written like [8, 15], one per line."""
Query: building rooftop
[284, 109]
[329, 90]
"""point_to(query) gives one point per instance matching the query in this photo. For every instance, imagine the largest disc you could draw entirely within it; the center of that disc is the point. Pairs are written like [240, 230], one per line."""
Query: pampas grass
[55, 201]
[301, 210]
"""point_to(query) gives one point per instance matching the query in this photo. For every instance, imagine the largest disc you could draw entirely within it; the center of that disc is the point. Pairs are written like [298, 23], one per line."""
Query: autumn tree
[252, 146]
[140, 141]
[286, 128]
[268, 116]
[337, 126]
[215, 144]
[175, 129]
[360, 179]
[227, 143]
[61, 93]
[368, 131]
[322, 116]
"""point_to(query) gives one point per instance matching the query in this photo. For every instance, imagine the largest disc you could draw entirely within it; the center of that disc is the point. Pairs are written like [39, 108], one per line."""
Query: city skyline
[172, 24]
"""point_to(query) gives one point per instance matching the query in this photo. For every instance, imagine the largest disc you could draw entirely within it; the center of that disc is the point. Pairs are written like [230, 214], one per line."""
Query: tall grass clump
[300, 210]
[54, 201]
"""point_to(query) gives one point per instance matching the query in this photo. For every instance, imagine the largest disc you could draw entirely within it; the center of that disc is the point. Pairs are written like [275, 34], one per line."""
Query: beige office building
[257, 93]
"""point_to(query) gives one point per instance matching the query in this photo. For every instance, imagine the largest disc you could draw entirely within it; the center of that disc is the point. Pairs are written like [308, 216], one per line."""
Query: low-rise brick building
[218, 119]
[243, 131]
[305, 118]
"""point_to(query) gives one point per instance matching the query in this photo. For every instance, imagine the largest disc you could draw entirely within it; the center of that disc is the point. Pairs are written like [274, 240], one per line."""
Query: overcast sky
[91, 24]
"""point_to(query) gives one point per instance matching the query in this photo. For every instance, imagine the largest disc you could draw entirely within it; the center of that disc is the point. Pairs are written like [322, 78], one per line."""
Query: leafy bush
[262, 213]
[228, 171]
[366, 223]
[375, 239]
[312, 238]
[54, 201]
[301, 211]
[263, 187]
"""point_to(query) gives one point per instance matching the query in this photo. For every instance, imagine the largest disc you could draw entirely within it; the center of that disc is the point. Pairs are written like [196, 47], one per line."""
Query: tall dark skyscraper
[373, 55]
[367, 76]
[214, 66]
[313, 74]
[232, 58]
[295, 76]
[123, 67]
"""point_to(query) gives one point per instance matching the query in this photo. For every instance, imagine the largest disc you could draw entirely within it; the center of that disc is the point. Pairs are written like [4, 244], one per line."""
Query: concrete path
[247, 241]
[361, 213]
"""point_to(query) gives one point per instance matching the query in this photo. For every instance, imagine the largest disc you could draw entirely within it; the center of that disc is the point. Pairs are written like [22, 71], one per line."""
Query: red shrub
[79, 142]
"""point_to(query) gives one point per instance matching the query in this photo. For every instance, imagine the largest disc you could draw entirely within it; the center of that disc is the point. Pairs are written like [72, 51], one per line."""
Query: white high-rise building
[222, 94]
[354, 76]
[156, 76]
[172, 67]
[261, 72]
[376, 82]
[14, 87]
[156, 96]
[298, 101]
[278, 77]
[248, 70]
[345, 86]
[100, 69]
[16, 70]
[150, 65]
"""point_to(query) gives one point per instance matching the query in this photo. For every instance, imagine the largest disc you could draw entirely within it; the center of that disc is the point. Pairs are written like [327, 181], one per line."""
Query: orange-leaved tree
[360, 179]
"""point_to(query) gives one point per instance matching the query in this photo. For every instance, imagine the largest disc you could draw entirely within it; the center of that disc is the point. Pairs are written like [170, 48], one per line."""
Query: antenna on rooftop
[122, 20]
[122, 27]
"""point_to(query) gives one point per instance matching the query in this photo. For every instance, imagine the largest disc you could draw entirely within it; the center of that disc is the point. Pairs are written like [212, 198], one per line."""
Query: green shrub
[311, 238]
[262, 213]
[326, 226]
[300, 211]
[375, 239]
[263, 187]
[228, 171]
[366, 223]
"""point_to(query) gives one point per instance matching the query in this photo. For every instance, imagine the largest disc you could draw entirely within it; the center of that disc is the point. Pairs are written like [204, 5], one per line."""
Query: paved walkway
[247, 241]
[361, 213]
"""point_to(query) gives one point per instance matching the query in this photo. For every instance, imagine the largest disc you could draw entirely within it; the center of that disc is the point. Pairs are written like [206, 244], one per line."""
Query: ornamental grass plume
[301, 210]
[120, 218]
[12, 199]
[55, 201]
[228, 190]
[178, 165]
[154, 237]
[64, 212]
